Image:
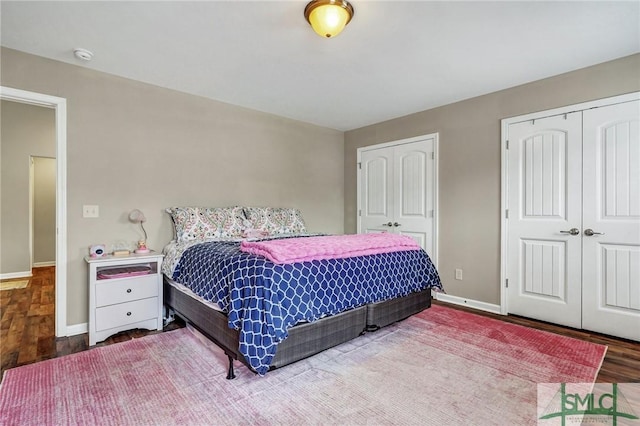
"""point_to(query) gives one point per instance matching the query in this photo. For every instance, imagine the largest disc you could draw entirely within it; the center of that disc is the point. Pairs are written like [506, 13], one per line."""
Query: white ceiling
[393, 59]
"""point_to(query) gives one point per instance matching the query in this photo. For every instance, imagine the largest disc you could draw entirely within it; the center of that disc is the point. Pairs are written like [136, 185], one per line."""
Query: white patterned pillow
[229, 220]
[275, 220]
[201, 223]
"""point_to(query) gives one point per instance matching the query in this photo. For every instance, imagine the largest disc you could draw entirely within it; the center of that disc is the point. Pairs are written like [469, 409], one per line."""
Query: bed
[268, 313]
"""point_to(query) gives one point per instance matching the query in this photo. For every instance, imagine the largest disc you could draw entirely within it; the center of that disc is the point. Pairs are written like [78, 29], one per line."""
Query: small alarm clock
[97, 250]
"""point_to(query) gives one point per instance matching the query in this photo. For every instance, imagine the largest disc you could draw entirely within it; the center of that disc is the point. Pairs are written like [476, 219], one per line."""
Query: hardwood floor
[27, 332]
[27, 327]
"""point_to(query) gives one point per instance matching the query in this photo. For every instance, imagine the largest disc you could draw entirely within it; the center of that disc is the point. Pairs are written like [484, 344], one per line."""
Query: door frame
[60, 107]
[504, 173]
[435, 137]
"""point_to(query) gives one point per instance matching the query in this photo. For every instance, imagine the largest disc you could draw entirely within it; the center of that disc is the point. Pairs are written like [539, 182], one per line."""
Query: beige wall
[469, 179]
[133, 145]
[26, 130]
[44, 210]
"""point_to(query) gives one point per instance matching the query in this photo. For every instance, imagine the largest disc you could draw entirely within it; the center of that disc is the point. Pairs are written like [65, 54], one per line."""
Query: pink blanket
[292, 250]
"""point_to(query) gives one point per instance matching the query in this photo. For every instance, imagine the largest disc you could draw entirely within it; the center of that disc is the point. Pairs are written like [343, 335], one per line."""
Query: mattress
[189, 293]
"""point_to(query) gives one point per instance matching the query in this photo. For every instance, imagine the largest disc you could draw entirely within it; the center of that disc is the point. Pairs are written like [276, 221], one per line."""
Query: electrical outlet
[459, 274]
[90, 211]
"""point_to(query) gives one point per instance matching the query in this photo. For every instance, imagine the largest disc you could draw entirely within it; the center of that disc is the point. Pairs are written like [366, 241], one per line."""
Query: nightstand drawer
[126, 313]
[110, 292]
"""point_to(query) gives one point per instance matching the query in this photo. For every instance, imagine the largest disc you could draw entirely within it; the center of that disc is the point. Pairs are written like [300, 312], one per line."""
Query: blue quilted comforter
[263, 300]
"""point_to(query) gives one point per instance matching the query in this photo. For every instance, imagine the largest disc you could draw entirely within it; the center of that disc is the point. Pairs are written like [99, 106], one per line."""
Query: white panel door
[544, 242]
[414, 192]
[611, 220]
[376, 190]
[397, 192]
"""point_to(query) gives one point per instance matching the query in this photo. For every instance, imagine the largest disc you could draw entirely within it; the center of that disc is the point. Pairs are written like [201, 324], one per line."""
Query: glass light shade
[328, 18]
[136, 216]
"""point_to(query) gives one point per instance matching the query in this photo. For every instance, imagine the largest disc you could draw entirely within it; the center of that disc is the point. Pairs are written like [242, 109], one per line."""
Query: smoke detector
[83, 54]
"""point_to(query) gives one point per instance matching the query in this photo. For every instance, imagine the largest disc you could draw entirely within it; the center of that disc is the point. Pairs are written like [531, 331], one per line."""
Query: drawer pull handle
[128, 314]
[128, 290]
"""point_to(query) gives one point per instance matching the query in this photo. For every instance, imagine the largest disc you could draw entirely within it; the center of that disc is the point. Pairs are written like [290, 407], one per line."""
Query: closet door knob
[387, 224]
[128, 290]
[128, 314]
[572, 231]
[396, 224]
[590, 232]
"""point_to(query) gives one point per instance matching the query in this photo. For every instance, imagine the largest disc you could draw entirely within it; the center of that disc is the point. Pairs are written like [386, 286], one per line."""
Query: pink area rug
[440, 367]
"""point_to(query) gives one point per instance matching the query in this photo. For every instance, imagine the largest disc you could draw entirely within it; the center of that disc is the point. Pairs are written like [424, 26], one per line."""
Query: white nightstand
[125, 292]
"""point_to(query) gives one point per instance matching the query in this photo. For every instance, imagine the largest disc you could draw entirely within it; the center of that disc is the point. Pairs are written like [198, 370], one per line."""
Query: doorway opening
[59, 105]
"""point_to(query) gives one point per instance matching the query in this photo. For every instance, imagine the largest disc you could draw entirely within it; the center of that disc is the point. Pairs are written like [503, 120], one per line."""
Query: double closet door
[397, 188]
[573, 227]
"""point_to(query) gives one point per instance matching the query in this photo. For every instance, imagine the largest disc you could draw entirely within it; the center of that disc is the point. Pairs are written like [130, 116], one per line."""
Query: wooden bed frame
[304, 339]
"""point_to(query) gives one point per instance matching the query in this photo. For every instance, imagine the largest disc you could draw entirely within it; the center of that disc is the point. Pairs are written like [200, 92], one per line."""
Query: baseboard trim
[12, 275]
[44, 264]
[75, 329]
[476, 304]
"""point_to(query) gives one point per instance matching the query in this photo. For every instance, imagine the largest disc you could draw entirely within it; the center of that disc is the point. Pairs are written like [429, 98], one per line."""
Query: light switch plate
[90, 211]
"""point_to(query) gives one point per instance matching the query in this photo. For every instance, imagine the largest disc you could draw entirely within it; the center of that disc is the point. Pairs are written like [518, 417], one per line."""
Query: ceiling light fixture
[328, 17]
[83, 54]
